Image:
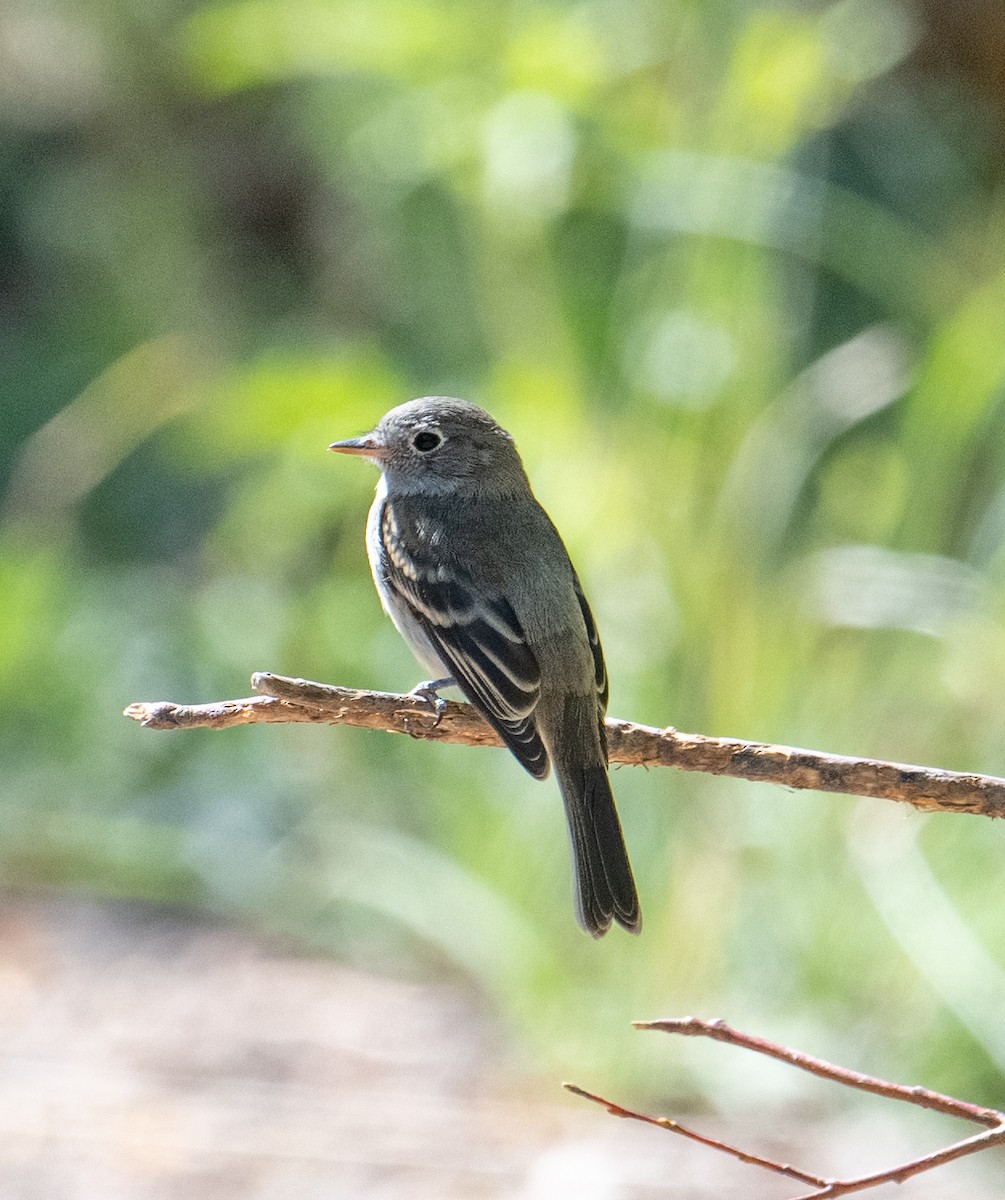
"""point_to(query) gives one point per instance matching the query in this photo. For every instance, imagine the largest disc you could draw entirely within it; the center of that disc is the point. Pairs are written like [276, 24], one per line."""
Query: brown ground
[149, 1055]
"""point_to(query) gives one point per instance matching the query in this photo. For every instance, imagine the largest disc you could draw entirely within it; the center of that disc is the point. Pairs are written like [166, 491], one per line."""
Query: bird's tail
[605, 888]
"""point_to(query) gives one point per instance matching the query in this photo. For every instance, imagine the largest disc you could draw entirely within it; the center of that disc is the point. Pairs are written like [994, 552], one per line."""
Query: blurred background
[733, 274]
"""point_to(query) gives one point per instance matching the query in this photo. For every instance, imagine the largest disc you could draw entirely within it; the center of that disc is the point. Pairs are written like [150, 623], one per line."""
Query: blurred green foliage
[733, 276]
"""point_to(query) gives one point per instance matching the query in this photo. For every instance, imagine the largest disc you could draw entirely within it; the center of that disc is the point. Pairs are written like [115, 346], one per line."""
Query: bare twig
[719, 1031]
[994, 1134]
[288, 700]
[769, 1164]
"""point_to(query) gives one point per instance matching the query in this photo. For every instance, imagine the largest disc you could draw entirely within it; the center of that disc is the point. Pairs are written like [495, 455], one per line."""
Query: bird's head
[440, 445]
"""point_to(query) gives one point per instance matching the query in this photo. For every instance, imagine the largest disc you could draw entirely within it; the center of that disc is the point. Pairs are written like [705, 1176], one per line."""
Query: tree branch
[719, 1031]
[281, 699]
[994, 1134]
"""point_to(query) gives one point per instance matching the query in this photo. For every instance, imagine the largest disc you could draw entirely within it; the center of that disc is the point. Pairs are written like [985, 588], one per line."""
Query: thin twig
[987, 1140]
[993, 1135]
[617, 1110]
[719, 1031]
[281, 699]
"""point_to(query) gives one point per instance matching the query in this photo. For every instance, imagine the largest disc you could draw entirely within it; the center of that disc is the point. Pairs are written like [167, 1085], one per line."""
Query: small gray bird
[477, 580]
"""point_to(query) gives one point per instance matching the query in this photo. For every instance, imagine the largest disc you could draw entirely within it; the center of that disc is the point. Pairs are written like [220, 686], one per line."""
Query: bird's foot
[429, 690]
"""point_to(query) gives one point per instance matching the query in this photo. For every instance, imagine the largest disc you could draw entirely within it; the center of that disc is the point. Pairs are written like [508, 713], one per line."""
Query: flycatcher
[477, 580]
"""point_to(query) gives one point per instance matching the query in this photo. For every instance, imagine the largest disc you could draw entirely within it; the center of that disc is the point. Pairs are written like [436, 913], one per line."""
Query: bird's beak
[366, 446]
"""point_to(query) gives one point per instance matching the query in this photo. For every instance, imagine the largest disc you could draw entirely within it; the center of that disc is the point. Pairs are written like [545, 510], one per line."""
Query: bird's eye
[426, 440]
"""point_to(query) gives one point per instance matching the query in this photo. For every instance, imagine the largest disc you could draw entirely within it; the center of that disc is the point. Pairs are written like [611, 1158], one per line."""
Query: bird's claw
[429, 690]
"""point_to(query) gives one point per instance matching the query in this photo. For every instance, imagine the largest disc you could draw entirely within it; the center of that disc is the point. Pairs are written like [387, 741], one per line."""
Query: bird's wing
[599, 667]
[480, 640]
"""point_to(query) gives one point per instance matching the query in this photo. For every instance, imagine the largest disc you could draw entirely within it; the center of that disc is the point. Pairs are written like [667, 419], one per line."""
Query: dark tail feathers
[605, 889]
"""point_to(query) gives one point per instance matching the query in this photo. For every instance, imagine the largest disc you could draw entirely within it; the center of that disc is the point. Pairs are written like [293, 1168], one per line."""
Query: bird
[478, 582]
